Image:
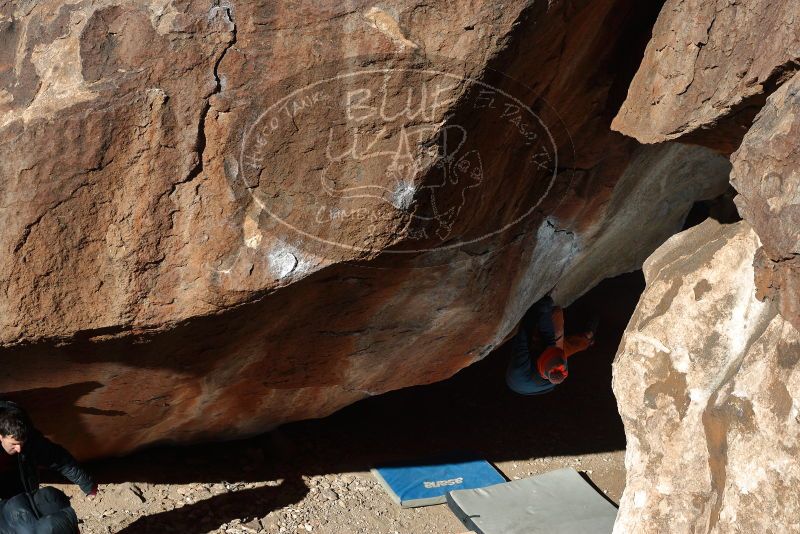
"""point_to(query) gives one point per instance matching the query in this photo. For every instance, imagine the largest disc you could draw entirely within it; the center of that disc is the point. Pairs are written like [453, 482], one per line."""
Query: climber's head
[557, 374]
[552, 365]
[14, 428]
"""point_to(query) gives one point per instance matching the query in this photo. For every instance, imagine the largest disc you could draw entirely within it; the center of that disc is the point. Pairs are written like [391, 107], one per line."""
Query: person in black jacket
[24, 450]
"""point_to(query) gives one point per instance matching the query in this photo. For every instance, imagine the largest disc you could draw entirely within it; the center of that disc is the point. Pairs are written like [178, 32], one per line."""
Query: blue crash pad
[423, 485]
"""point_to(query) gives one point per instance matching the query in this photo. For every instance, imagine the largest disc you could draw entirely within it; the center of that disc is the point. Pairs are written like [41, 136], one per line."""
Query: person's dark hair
[14, 422]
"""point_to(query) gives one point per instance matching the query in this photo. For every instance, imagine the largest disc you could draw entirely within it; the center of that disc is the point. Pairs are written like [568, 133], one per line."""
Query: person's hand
[590, 337]
[594, 322]
[93, 493]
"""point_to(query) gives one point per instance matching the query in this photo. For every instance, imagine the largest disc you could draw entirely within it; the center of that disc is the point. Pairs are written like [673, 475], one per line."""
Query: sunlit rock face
[708, 69]
[708, 384]
[766, 172]
[217, 219]
[706, 376]
[723, 75]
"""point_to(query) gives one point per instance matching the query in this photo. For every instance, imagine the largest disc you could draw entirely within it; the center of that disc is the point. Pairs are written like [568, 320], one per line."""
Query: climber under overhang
[539, 349]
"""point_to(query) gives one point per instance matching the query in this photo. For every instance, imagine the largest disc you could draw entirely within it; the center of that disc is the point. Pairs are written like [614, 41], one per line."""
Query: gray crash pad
[558, 502]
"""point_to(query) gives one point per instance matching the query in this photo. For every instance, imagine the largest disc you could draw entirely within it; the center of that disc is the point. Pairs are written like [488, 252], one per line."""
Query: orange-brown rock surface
[708, 69]
[723, 74]
[766, 173]
[219, 218]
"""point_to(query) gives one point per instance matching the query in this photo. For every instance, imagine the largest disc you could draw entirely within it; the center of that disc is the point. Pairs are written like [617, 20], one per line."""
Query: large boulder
[221, 218]
[723, 74]
[708, 68]
[766, 173]
[707, 379]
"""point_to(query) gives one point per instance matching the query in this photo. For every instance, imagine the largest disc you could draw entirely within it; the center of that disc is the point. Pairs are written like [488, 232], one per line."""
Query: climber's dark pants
[544, 325]
[539, 319]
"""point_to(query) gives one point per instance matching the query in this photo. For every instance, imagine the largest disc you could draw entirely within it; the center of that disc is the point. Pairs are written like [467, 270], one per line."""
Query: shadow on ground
[472, 413]
[208, 514]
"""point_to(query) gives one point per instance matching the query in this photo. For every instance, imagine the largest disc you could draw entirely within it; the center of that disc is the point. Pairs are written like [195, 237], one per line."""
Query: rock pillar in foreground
[708, 385]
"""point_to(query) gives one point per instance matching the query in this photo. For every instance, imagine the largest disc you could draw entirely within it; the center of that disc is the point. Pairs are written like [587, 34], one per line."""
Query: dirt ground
[313, 476]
